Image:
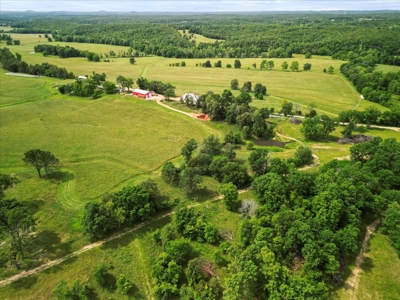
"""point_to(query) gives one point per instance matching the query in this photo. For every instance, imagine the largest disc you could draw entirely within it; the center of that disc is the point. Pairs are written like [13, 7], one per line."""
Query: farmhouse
[190, 97]
[142, 93]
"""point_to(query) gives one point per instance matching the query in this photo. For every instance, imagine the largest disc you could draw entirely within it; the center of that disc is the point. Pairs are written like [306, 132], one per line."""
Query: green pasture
[5, 28]
[108, 143]
[332, 93]
[387, 68]
[103, 142]
[380, 275]
[18, 90]
[198, 38]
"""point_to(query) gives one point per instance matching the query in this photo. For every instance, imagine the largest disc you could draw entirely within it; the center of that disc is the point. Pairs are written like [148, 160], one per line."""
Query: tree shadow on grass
[24, 283]
[60, 176]
[202, 194]
[51, 243]
[368, 264]
[34, 205]
[111, 283]
[126, 239]
[134, 293]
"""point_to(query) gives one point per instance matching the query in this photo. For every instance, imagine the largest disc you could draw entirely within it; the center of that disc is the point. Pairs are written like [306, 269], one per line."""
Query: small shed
[142, 93]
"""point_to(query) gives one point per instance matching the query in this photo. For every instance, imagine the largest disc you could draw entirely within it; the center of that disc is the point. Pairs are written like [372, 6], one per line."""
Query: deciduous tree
[284, 66]
[190, 179]
[237, 64]
[229, 190]
[18, 223]
[188, 148]
[234, 84]
[258, 161]
[41, 159]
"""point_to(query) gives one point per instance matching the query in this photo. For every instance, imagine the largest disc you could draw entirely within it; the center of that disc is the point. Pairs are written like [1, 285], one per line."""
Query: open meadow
[331, 93]
[380, 272]
[119, 140]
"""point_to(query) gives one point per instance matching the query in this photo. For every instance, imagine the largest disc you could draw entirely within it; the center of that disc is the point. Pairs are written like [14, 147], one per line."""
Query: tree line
[16, 65]
[65, 52]
[133, 204]
[375, 86]
[278, 35]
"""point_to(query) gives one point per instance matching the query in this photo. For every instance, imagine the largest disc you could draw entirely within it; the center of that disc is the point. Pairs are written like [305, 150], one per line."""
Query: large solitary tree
[237, 64]
[41, 160]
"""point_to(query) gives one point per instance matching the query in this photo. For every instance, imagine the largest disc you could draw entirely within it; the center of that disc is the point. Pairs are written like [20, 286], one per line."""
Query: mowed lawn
[332, 93]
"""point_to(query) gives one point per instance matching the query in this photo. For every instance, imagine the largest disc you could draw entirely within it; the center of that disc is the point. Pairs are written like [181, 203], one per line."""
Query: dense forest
[243, 35]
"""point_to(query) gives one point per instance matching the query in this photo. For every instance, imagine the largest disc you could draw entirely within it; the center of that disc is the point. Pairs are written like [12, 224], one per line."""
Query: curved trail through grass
[352, 282]
[99, 243]
[66, 195]
[144, 72]
[359, 99]
[315, 156]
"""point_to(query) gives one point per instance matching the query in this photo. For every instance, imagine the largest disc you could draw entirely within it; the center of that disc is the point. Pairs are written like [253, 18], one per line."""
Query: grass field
[387, 68]
[380, 275]
[115, 141]
[332, 93]
[198, 38]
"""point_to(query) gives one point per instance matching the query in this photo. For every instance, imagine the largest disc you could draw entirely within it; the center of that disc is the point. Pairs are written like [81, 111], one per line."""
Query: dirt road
[351, 285]
[97, 244]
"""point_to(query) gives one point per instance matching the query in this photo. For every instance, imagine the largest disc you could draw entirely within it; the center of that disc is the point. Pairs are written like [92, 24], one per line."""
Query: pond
[270, 143]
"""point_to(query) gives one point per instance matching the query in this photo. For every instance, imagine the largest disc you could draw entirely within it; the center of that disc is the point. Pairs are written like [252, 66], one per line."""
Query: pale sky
[196, 6]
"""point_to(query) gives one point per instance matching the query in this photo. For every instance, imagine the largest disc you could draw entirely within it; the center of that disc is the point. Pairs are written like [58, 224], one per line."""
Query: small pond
[270, 143]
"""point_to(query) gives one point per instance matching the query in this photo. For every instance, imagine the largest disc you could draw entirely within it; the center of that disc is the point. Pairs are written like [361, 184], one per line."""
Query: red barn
[141, 93]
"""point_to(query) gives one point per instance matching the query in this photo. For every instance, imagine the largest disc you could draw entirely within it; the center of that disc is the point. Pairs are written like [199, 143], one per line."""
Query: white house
[190, 96]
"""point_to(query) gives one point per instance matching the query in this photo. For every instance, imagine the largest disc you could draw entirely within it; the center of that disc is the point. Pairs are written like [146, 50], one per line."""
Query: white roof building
[194, 97]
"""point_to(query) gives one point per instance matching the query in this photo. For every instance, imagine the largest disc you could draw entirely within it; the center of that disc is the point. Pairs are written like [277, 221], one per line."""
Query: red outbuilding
[142, 93]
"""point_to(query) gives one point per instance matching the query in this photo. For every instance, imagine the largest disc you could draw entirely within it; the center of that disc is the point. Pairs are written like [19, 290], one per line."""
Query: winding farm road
[97, 244]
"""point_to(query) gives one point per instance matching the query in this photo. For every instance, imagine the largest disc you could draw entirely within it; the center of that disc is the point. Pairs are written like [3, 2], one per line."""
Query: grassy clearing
[327, 150]
[387, 68]
[198, 38]
[18, 90]
[380, 276]
[5, 28]
[331, 93]
[103, 142]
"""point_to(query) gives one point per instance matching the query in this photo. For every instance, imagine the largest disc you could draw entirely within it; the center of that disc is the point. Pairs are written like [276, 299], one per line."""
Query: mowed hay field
[102, 142]
[332, 93]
